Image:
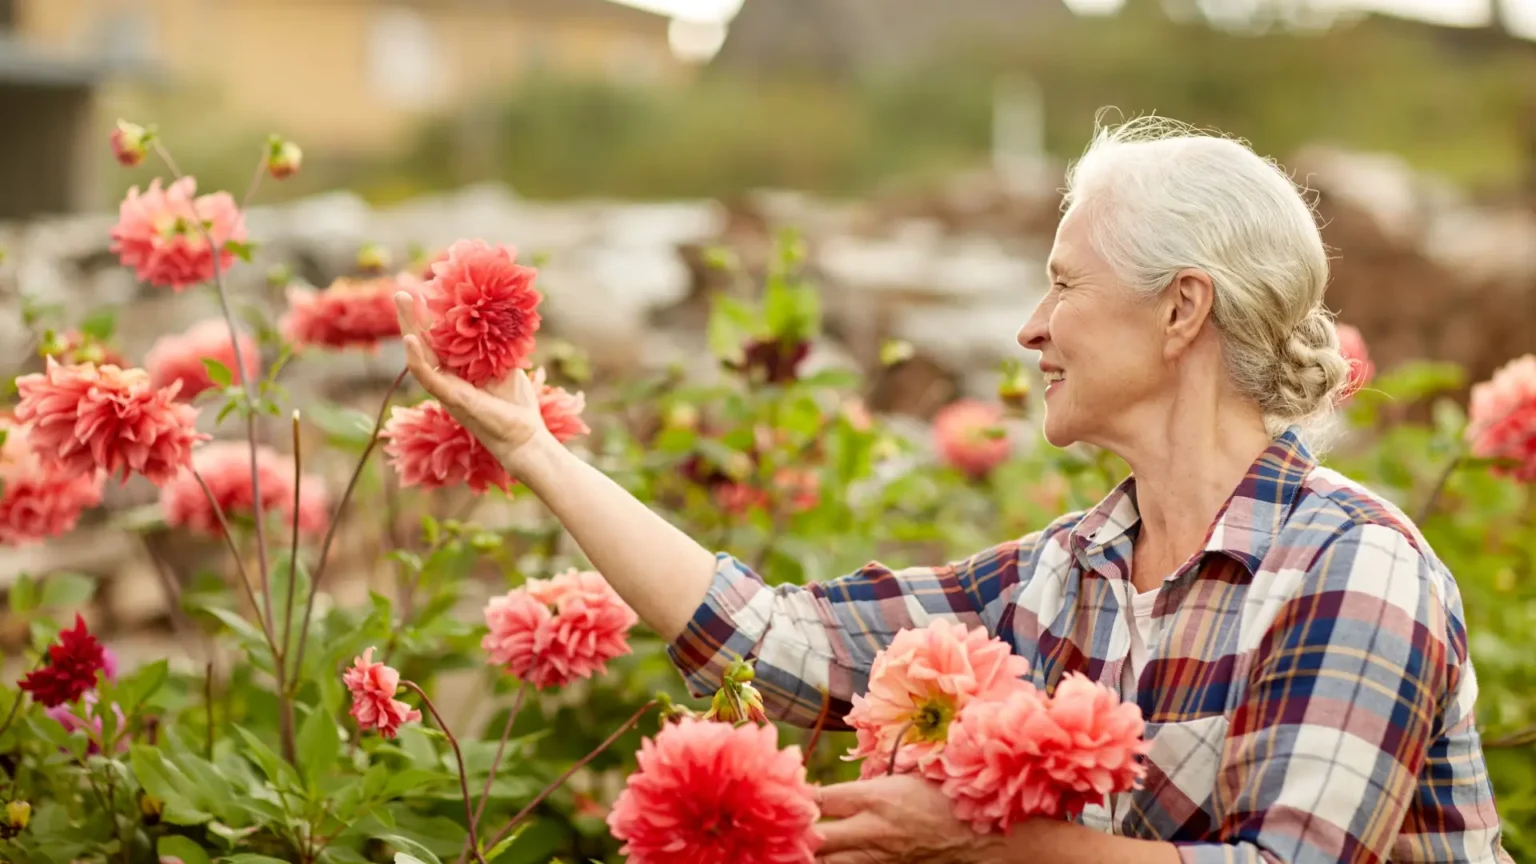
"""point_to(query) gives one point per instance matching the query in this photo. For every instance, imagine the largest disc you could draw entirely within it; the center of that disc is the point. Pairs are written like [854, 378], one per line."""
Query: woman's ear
[1186, 308]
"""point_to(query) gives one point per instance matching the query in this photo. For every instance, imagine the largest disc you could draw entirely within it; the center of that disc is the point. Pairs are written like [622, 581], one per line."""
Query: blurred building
[851, 37]
[47, 98]
[342, 75]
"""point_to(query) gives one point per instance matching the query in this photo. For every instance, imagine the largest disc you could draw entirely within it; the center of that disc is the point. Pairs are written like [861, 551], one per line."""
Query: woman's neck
[1185, 472]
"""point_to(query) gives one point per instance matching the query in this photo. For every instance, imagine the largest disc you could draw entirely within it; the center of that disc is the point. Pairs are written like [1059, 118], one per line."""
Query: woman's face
[1100, 344]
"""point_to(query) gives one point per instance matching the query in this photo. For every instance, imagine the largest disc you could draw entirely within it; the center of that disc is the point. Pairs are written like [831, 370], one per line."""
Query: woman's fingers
[409, 313]
[454, 392]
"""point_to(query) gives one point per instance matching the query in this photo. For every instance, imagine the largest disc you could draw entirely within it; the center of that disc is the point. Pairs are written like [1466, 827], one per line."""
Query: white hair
[1162, 196]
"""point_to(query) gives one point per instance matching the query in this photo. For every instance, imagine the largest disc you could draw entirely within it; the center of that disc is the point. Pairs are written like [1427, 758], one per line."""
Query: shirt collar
[1248, 522]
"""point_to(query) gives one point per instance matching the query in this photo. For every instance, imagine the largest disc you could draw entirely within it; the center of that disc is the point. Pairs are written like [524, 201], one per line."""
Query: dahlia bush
[387, 652]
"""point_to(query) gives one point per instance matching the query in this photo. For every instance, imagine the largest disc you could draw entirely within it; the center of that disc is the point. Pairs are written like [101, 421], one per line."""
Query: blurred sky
[1522, 13]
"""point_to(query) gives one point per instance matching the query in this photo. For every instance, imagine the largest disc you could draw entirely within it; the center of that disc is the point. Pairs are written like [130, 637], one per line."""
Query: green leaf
[241, 250]
[183, 848]
[343, 426]
[412, 780]
[133, 690]
[279, 772]
[402, 858]
[100, 324]
[67, 591]
[166, 782]
[407, 845]
[731, 323]
[319, 743]
[23, 595]
[506, 843]
[218, 373]
[248, 858]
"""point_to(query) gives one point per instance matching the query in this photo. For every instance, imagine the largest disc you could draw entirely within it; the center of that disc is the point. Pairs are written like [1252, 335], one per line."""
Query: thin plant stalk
[341, 506]
[247, 384]
[560, 781]
[490, 776]
[284, 692]
[245, 576]
[474, 841]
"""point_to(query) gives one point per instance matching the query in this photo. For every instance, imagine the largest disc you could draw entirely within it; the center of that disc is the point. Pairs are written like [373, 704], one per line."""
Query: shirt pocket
[1177, 798]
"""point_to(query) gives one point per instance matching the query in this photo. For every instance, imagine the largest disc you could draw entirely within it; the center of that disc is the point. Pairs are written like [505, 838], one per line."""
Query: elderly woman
[1296, 647]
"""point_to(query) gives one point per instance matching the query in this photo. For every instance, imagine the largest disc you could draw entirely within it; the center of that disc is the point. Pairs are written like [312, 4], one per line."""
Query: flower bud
[736, 702]
[130, 143]
[150, 807]
[1014, 391]
[283, 157]
[681, 415]
[17, 815]
[373, 259]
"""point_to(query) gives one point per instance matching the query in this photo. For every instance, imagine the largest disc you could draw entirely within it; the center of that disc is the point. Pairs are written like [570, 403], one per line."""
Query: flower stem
[245, 576]
[16, 705]
[208, 700]
[1428, 508]
[341, 506]
[250, 395]
[560, 781]
[821, 722]
[284, 692]
[506, 732]
[474, 841]
[896, 748]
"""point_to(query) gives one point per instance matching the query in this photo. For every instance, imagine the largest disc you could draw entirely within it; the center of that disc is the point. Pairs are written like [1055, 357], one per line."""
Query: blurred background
[917, 145]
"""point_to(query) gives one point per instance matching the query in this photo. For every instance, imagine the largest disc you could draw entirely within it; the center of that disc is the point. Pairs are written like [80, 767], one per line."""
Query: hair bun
[1309, 368]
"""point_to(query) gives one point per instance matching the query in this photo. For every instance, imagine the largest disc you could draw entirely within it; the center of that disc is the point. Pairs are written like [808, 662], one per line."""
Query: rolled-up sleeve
[1348, 691]
[815, 643]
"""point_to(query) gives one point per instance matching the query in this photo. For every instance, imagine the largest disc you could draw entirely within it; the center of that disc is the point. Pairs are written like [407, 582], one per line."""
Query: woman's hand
[504, 416]
[894, 820]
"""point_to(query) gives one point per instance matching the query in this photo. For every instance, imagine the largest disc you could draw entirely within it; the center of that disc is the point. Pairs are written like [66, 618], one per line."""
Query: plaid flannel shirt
[1308, 697]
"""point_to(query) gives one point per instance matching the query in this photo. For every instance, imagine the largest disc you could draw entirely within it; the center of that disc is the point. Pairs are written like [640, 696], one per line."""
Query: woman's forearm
[1055, 842]
[662, 573]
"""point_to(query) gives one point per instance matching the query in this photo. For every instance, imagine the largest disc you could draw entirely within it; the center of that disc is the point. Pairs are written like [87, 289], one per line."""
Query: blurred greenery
[1457, 102]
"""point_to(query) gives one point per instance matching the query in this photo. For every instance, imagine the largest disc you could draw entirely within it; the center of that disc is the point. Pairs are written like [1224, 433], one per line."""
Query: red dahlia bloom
[485, 311]
[72, 666]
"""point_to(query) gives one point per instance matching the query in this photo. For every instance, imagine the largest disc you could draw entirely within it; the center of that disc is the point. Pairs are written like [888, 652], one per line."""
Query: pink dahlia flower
[551, 632]
[918, 684]
[1103, 741]
[1502, 418]
[430, 449]
[560, 410]
[101, 418]
[485, 311]
[226, 467]
[352, 313]
[179, 357]
[39, 500]
[374, 705]
[1361, 369]
[89, 720]
[969, 436]
[993, 767]
[705, 792]
[157, 233]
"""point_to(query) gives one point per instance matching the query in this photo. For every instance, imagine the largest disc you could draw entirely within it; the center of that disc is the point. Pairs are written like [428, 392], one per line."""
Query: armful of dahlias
[659, 571]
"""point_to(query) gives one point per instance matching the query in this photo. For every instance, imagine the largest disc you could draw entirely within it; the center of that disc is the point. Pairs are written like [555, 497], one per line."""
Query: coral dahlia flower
[1361, 369]
[1502, 418]
[560, 410]
[39, 500]
[157, 233]
[180, 356]
[918, 684]
[969, 436]
[374, 706]
[89, 418]
[1025, 756]
[428, 448]
[484, 311]
[73, 663]
[352, 313]
[551, 632]
[706, 792]
[226, 467]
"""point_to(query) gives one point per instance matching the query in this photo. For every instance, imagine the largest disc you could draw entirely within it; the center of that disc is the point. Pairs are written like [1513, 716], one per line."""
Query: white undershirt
[1141, 634]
